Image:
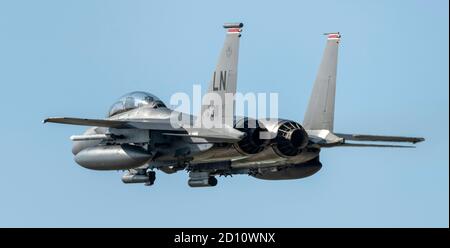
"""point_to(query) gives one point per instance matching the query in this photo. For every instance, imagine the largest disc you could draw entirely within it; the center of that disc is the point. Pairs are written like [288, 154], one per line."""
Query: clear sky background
[75, 58]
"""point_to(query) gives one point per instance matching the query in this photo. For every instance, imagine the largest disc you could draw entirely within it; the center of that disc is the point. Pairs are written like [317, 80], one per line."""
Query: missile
[134, 178]
[203, 182]
[233, 25]
[84, 137]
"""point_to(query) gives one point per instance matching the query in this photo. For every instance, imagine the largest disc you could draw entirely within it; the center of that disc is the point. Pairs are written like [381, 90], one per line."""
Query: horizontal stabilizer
[374, 145]
[365, 137]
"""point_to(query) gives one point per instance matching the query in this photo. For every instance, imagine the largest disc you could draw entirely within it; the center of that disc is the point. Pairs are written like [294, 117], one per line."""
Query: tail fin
[224, 78]
[320, 112]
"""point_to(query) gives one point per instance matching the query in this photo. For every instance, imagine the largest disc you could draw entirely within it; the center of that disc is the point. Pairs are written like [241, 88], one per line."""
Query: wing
[153, 124]
[86, 122]
[365, 137]
[209, 138]
[220, 135]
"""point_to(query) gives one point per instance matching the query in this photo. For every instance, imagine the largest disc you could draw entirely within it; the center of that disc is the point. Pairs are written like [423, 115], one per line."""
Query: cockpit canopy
[134, 100]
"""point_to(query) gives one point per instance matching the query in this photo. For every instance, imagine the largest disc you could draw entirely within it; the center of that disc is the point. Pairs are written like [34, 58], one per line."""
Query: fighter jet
[140, 137]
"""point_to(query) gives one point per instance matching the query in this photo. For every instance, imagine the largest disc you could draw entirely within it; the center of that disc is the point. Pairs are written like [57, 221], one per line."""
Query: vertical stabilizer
[224, 78]
[320, 112]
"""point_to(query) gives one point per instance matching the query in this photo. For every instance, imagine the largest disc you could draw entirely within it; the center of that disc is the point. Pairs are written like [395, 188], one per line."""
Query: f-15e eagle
[139, 137]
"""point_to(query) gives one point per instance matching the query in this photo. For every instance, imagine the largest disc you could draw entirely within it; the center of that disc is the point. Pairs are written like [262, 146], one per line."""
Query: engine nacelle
[252, 142]
[112, 157]
[290, 139]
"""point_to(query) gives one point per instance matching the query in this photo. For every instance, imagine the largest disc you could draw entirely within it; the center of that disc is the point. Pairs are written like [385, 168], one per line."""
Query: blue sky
[75, 58]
